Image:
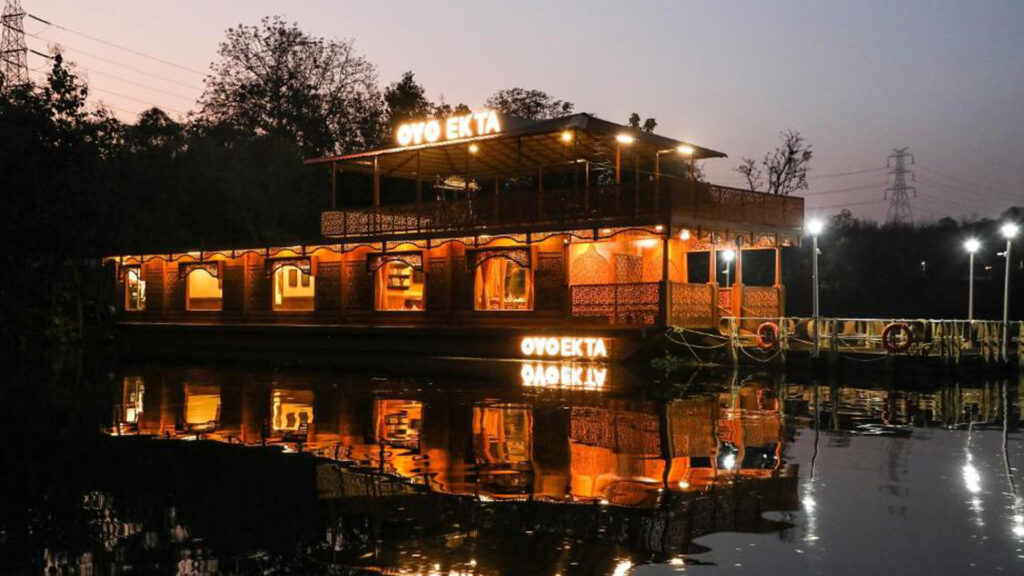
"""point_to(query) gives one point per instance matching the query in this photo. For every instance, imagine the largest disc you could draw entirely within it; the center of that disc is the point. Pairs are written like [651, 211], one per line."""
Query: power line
[852, 173]
[134, 99]
[969, 183]
[849, 204]
[118, 46]
[115, 63]
[122, 79]
[851, 189]
[939, 186]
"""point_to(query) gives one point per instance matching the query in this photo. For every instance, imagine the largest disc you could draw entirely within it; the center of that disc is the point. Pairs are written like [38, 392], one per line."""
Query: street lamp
[815, 227]
[1009, 230]
[971, 245]
[728, 256]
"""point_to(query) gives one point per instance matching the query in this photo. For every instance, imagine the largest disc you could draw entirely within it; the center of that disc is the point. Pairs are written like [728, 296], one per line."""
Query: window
[399, 286]
[501, 284]
[293, 290]
[135, 289]
[202, 291]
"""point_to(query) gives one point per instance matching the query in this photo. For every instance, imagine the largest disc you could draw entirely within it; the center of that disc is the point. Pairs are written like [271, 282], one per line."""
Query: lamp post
[971, 245]
[728, 256]
[1009, 230]
[814, 228]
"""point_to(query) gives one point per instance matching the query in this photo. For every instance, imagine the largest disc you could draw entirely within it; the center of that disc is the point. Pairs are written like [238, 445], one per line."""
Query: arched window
[135, 289]
[399, 286]
[294, 290]
[502, 284]
[202, 291]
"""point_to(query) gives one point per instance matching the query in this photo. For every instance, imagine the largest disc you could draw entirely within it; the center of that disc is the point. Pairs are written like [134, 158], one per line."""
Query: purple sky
[945, 78]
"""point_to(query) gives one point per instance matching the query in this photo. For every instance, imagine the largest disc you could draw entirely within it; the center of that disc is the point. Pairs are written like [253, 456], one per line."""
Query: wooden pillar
[586, 185]
[713, 262]
[657, 166]
[334, 185]
[618, 163]
[497, 198]
[540, 191]
[737, 285]
[419, 189]
[666, 280]
[246, 287]
[778, 265]
[343, 285]
[376, 181]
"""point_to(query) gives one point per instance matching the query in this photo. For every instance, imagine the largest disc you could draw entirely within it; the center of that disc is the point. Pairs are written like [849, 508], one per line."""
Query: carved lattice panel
[259, 288]
[327, 287]
[462, 284]
[153, 273]
[590, 268]
[628, 268]
[761, 301]
[693, 427]
[624, 432]
[549, 281]
[175, 290]
[693, 305]
[358, 286]
[234, 288]
[437, 284]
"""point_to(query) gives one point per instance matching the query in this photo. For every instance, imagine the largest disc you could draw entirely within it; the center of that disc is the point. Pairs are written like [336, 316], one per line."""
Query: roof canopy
[523, 147]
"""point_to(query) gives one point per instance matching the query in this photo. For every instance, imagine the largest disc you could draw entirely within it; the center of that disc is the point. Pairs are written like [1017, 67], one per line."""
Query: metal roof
[523, 147]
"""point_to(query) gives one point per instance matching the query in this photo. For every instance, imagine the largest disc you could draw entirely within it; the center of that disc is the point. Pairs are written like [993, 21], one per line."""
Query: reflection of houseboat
[498, 444]
[570, 225]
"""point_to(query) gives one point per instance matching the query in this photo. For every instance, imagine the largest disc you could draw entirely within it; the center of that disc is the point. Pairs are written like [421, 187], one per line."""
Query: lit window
[399, 286]
[293, 290]
[203, 291]
[501, 284]
[135, 290]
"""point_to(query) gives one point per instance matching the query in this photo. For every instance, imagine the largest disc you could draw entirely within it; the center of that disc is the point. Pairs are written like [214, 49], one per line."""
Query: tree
[783, 170]
[406, 100]
[528, 104]
[647, 126]
[275, 78]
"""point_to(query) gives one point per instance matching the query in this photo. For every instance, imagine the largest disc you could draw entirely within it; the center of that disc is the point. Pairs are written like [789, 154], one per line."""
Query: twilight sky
[858, 78]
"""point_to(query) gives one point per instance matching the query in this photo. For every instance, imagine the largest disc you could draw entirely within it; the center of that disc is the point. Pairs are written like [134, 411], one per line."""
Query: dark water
[496, 468]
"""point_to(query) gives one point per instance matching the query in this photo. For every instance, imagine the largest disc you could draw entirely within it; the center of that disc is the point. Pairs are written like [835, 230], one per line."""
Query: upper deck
[673, 202]
[570, 173]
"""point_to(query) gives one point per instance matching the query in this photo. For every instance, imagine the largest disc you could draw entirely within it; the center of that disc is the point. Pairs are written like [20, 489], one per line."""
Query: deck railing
[636, 303]
[477, 211]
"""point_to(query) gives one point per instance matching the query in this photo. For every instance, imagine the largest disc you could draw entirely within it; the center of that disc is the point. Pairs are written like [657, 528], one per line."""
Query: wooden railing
[478, 211]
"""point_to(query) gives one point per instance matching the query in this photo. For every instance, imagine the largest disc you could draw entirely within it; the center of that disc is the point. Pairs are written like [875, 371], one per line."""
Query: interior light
[684, 235]
[473, 148]
[624, 139]
[566, 136]
[686, 150]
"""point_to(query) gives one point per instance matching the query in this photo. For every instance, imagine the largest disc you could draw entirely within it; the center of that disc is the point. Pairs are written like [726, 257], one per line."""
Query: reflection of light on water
[622, 568]
[564, 375]
[972, 479]
[1018, 525]
[809, 503]
[729, 462]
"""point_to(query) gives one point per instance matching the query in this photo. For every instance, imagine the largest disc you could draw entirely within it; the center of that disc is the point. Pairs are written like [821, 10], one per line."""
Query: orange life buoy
[768, 336]
[891, 337]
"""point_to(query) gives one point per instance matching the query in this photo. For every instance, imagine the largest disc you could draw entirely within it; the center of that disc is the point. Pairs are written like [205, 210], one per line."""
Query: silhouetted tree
[275, 78]
[647, 125]
[783, 170]
[529, 104]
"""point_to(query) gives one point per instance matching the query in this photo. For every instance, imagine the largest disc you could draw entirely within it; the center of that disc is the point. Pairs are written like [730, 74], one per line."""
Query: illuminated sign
[451, 128]
[563, 347]
[566, 376]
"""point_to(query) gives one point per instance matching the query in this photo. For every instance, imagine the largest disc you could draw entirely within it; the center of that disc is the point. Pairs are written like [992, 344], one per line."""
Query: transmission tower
[14, 65]
[898, 191]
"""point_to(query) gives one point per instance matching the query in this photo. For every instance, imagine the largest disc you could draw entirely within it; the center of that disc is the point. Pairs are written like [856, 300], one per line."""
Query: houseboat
[484, 235]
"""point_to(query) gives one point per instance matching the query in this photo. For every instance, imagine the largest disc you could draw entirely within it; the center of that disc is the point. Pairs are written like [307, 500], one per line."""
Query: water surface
[490, 468]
